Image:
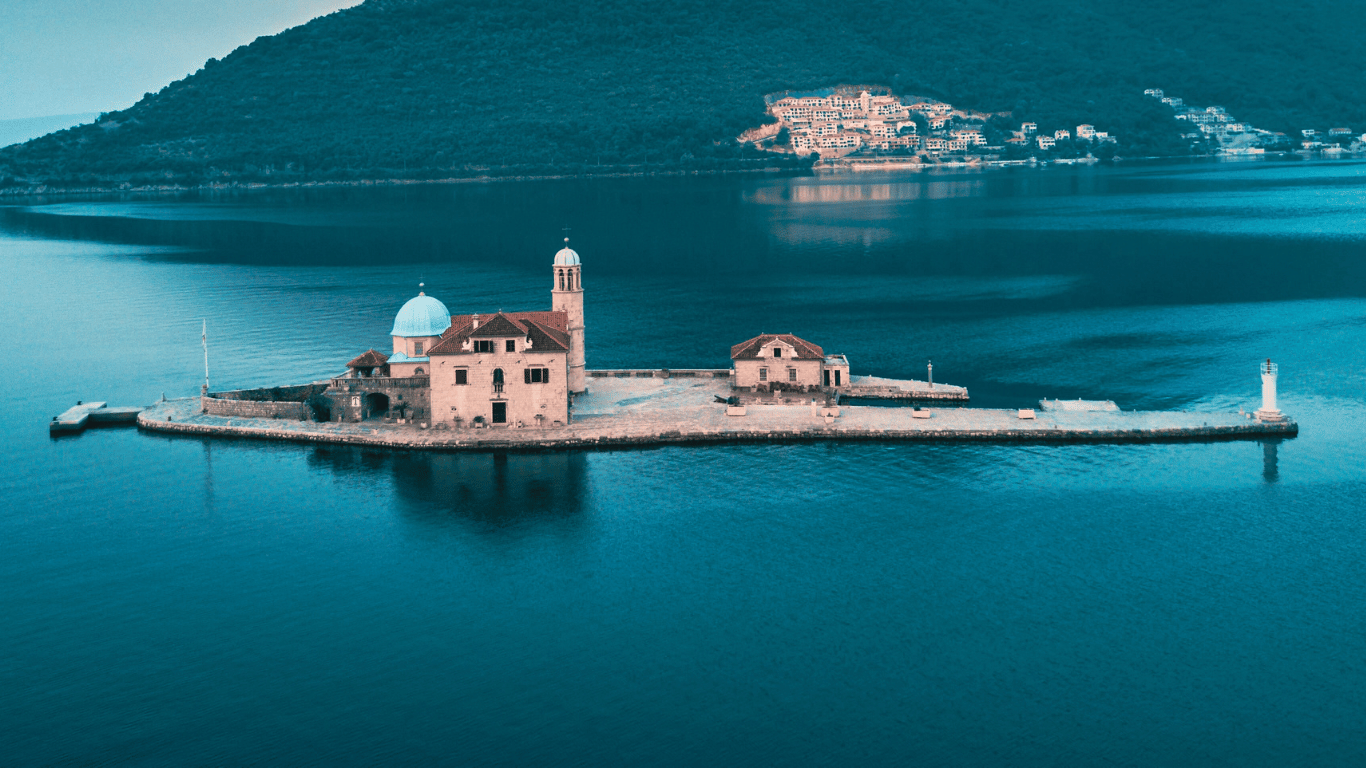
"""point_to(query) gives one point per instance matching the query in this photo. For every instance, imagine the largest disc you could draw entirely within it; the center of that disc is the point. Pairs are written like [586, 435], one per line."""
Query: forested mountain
[439, 88]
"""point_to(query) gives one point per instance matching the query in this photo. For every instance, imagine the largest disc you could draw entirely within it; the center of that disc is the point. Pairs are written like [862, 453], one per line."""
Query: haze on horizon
[66, 57]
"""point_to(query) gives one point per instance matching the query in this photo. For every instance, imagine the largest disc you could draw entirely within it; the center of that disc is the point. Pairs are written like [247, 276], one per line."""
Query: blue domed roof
[566, 257]
[421, 316]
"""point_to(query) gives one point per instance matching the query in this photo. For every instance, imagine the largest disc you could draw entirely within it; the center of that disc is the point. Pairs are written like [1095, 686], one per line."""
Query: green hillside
[438, 88]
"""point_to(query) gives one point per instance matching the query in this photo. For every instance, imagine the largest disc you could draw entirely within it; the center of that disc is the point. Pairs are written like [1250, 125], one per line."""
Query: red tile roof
[548, 331]
[370, 359]
[749, 350]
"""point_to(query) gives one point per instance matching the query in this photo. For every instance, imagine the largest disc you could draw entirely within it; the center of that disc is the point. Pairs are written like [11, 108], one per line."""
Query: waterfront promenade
[643, 412]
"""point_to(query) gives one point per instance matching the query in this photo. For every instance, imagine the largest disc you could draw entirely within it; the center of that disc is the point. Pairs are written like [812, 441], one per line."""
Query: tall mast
[204, 337]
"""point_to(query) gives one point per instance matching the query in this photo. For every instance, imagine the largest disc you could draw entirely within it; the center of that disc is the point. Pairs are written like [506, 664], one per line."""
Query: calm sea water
[171, 601]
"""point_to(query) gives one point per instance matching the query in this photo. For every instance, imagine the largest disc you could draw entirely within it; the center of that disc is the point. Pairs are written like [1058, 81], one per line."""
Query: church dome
[566, 257]
[421, 316]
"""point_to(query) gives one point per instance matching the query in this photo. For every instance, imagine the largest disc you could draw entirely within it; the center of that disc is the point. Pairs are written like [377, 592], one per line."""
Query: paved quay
[656, 411]
[875, 387]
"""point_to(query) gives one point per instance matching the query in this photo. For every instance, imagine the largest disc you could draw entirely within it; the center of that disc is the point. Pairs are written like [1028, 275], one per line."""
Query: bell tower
[566, 295]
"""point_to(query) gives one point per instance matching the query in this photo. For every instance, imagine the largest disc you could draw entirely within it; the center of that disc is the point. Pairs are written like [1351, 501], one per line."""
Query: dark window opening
[827, 378]
[462, 376]
[376, 404]
[562, 279]
[483, 345]
[777, 352]
[500, 413]
[419, 372]
[837, 378]
[512, 345]
[536, 375]
[498, 380]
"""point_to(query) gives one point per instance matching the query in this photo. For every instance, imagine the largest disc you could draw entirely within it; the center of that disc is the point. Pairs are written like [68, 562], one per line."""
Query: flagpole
[204, 337]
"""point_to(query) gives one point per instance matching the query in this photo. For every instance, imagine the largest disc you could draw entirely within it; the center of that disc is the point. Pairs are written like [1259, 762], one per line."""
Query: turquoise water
[170, 600]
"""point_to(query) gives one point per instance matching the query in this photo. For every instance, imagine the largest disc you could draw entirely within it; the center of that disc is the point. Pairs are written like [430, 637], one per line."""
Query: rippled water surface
[171, 601]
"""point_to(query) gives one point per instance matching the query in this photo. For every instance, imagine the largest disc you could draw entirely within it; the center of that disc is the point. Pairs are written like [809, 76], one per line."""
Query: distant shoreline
[43, 190]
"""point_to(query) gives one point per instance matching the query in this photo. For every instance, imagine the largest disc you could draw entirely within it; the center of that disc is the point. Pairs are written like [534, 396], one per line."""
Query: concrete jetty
[81, 415]
[637, 411]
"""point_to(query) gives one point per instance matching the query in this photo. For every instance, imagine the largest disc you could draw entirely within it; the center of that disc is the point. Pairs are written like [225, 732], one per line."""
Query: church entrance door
[500, 413]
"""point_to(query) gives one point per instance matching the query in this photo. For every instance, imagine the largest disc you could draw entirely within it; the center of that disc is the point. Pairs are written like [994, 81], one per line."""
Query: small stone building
[781, 361]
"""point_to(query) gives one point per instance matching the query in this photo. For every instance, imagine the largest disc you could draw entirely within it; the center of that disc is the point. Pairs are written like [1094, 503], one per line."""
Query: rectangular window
[763, 374]
[483, 345]
[791, 374]
[837, 378]
[512, 345]
[462, 376]
[417, 349]
[827, 377]
[536, 375]
[777, 352]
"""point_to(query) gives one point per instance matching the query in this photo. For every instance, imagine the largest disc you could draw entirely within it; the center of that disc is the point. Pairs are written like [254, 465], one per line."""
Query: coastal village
[869, 127]
[1225, 135]
[869, 122]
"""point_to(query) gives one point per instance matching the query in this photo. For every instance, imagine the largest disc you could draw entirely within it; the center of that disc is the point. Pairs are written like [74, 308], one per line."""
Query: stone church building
[498, 369]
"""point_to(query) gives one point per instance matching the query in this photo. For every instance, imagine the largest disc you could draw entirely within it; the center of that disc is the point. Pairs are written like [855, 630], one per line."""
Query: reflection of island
[494, 489]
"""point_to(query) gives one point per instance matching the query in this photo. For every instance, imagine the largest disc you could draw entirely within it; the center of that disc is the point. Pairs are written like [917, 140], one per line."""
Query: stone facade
[786, 362]
[788, 372]
[378, 397]
[517, 401]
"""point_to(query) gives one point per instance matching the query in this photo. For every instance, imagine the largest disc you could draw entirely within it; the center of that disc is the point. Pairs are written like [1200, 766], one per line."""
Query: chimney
[476, 322]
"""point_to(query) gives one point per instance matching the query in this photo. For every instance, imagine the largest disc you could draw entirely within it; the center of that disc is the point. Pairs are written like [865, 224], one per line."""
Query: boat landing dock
[79, 416]
[658, 411]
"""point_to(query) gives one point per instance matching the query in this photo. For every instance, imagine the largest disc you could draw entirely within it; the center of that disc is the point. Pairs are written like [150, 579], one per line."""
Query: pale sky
[60, 57]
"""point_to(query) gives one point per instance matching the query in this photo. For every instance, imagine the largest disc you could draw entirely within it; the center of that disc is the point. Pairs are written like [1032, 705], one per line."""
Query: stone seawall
[700, 423]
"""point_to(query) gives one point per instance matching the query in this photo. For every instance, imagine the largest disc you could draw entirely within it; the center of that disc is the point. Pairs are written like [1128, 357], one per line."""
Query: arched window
[571, 279]
[419, 372]
[497, 379]
[562, 279]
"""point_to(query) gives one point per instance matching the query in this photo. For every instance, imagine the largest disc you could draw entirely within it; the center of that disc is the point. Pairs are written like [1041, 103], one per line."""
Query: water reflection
[1270, 446]
[861, 193]
[489, 490]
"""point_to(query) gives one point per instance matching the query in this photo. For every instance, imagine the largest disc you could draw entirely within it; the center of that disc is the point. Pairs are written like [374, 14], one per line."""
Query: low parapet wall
[256, 409]
[661, 373]
[264, 403]
[295, 394]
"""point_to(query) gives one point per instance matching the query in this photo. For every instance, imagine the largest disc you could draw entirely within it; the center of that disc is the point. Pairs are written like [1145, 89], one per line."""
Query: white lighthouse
[1268, 410]
[566, 295]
